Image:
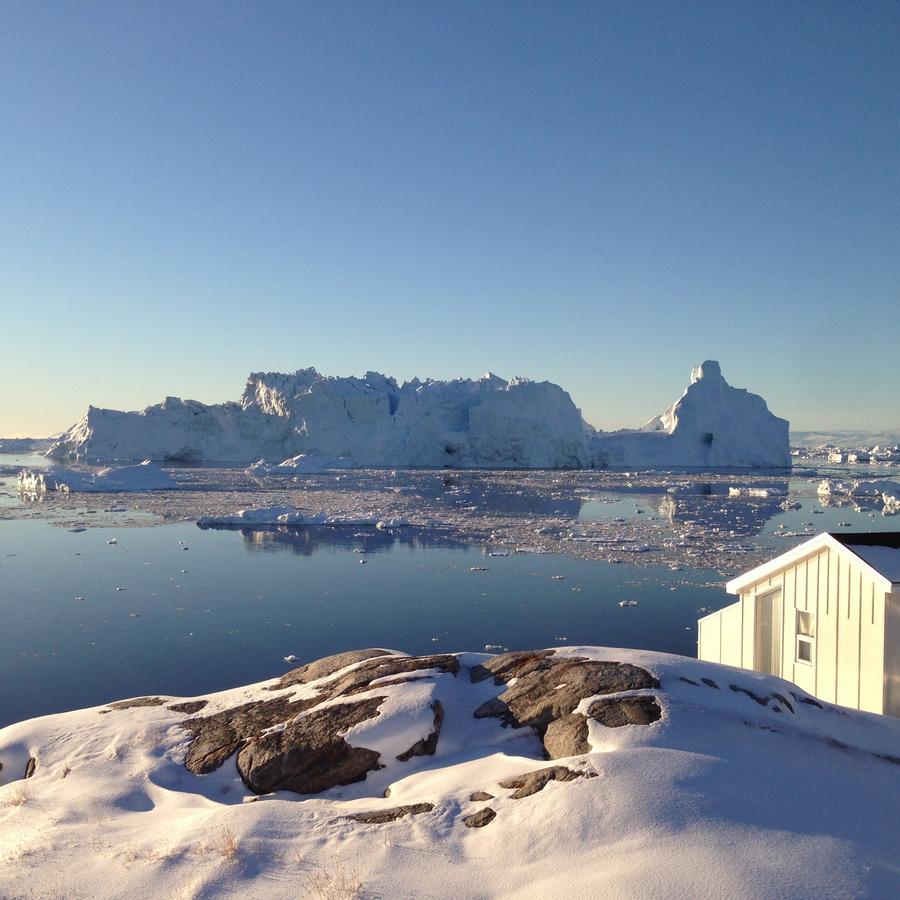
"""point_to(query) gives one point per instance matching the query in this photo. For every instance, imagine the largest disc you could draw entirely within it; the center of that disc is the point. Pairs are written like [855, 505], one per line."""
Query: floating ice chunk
[143, 477]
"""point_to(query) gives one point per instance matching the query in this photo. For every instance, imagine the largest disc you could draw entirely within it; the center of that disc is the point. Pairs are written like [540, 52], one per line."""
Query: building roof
[880, 551]
[876, 552]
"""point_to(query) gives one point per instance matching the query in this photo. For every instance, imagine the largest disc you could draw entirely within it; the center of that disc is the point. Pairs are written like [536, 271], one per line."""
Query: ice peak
[709, 370]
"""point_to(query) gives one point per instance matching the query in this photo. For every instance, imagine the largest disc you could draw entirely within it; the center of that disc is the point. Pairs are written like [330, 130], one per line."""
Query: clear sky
[600, 194]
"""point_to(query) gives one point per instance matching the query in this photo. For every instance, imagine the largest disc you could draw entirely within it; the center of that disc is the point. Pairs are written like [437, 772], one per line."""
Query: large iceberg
[712, 425]
[368, 421]
[483, 423]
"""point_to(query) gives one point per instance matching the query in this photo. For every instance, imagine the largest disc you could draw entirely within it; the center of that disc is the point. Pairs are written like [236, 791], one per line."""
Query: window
[806, 637]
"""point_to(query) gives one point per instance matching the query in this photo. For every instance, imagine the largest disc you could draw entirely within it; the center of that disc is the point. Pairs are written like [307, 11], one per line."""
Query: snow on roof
[879, 552]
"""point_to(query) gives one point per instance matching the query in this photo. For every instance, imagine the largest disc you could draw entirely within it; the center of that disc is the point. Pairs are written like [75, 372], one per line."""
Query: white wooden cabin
[825, 615]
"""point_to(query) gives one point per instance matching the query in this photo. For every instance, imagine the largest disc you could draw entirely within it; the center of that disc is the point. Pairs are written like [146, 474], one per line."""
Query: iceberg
[315, 422]
[712, 425]
[112, 479]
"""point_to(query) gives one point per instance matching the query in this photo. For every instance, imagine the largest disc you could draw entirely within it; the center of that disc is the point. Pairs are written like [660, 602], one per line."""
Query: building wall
[892, 655]
[849, 607]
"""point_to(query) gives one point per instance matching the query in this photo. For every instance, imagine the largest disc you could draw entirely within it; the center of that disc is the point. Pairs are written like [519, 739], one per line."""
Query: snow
[721, 797]
[883, 559]
[120, 479]
[314, 422]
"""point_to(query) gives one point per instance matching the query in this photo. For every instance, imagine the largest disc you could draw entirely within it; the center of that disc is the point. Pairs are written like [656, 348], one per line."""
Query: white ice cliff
[712, 425]
[484, 423]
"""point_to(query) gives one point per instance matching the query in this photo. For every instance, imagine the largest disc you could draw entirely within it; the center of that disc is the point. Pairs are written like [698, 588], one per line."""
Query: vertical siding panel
[826, 640]
[788, 604]
[848, 638]
[871, 652]
[749, 606]
[800, 585]
[812, 584]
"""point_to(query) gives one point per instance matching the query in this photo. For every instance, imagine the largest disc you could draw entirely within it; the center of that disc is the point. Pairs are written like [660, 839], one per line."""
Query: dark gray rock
[310, 755]
[617, 711]
[30, 766]
[480, 819]
[136, 702]
[189, 706]
[480, 796]
[322, 668]
[509, 665]
[380, 817]
[219, 736]
[549, 687]
[427, 746]
[531, 782]
[567, 736]
[359, 679]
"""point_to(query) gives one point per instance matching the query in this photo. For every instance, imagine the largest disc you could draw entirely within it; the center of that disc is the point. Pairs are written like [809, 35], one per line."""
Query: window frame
[804, 637]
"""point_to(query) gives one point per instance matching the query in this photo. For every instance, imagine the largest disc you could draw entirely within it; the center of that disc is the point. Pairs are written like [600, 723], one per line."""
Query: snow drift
[585, 772]
[313, 422]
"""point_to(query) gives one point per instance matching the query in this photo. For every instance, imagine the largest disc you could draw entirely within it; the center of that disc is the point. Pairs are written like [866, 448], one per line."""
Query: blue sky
[600, 194]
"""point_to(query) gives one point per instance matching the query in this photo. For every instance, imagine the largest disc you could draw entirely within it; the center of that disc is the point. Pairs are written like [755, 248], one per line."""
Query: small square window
[806, 623]
[804, 650]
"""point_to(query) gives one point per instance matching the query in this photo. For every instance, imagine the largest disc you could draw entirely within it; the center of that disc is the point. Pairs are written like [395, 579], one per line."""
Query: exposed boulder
[322, 668]
[189, 706]
[544, 690]
[135, 703]
[297, 743]
[480, 819]
[531, 782]
[567, 736]
[382, 816]
[310, 755]
[617, 711]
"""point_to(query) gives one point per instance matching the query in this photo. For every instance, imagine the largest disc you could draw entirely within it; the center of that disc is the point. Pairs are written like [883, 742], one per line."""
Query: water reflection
[739, 509]
[511, 496]
[738, 515]
[307, 540]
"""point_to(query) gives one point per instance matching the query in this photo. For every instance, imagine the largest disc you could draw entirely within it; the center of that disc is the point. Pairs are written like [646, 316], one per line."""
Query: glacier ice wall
[482, 423]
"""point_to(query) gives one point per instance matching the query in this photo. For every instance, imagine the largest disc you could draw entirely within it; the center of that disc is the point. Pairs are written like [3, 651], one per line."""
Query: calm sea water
[91, 616]
[226, 610]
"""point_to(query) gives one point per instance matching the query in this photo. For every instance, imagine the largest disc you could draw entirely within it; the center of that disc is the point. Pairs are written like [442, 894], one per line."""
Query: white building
[825, 615]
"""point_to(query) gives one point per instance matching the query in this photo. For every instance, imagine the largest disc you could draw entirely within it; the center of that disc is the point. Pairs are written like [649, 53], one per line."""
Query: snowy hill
[588, 771]
[483, 423]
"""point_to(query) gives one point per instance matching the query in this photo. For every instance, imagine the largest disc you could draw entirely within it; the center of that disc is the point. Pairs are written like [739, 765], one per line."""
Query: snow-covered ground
[656, 776]
[310, 421]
